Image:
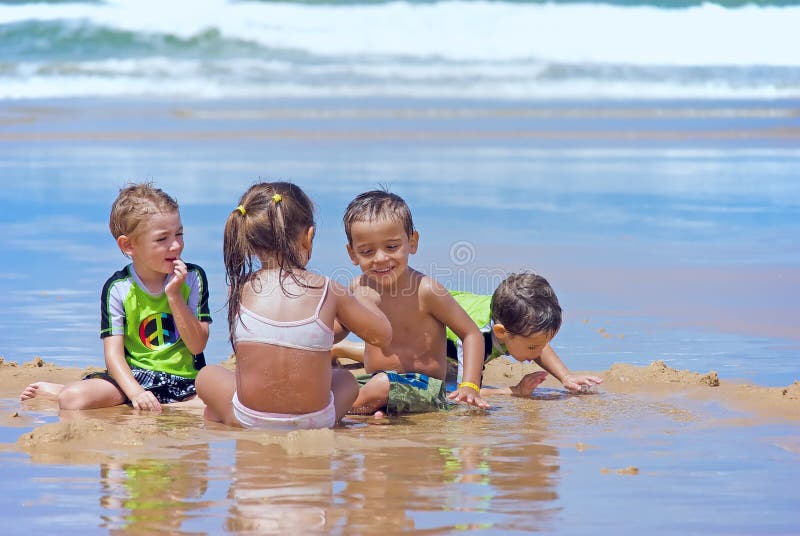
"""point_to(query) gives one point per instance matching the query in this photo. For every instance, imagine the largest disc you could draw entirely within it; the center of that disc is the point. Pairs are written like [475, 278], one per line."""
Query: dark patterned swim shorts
[412, 392]
[166, 387]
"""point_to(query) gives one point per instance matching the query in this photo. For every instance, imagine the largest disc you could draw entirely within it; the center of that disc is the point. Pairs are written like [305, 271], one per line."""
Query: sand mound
[14, 378]
[659, 372]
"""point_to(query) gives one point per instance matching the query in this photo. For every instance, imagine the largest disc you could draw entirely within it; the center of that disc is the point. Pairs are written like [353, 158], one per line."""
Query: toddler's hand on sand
[470, 396]
[179, 272]
[580, 383]
[146, 401]
[528, 383]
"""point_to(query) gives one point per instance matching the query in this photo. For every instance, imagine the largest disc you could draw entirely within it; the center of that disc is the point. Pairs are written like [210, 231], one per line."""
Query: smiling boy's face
[381, 249]
[523, 347]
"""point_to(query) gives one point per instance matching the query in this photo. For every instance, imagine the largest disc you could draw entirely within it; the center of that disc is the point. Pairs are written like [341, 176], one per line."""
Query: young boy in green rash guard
[519, 319]
[154, 313]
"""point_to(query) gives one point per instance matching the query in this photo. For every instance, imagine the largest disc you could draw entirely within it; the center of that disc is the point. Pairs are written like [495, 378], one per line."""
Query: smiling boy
[406, 376]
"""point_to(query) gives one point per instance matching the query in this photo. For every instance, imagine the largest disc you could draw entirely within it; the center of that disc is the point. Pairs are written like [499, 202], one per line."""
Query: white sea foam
[471, 49]
[150, 83]
[489, 31]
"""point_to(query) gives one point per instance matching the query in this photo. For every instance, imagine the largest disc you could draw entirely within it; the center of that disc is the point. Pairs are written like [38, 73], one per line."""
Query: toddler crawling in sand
[519, 319]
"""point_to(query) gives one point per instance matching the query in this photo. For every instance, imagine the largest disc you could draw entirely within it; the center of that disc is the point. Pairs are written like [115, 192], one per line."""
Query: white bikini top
[307, 334]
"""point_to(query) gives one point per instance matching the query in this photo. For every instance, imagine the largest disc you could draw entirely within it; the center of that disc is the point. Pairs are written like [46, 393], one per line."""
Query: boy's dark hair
[525, 304]
[377, 205]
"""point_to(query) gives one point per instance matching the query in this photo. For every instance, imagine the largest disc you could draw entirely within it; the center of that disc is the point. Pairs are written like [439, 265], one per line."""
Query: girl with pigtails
[281, 320]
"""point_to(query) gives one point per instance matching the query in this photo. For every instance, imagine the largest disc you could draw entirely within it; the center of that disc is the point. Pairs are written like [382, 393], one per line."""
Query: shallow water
[668, 230]
[568, 465]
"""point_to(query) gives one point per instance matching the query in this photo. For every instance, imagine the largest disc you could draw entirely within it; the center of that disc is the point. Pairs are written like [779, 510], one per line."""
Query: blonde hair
[268, 222]
[134, 205]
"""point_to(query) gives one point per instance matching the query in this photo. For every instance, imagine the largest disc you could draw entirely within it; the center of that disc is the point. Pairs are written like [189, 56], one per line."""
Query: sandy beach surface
[662, 442]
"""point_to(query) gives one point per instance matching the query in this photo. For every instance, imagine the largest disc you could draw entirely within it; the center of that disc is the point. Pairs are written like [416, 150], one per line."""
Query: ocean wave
[457, 30]
[78, 39]
[529, 49]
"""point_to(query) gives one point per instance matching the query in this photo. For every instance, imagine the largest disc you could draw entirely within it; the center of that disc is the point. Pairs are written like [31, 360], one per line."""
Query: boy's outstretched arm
[550, 362]
[445, 308]
[353, 350]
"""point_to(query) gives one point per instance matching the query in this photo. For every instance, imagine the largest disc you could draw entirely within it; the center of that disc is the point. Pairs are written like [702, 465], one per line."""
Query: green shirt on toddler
[479, 309]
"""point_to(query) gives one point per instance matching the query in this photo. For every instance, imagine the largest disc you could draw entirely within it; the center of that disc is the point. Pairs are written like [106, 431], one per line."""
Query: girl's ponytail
[265, 228]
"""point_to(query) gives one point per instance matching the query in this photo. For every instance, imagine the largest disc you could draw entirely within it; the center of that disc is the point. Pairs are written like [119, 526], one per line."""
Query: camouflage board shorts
[411, 392]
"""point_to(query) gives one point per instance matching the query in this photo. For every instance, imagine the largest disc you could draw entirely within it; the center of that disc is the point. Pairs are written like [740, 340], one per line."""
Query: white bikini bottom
[250, 418]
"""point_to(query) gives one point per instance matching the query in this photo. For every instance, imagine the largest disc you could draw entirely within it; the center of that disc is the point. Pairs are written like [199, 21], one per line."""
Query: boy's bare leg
[44, 390]
[93, 393]
[372, 397]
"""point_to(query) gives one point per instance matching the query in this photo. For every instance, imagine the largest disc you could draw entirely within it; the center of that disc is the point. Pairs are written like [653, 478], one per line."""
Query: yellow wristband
[470, 385]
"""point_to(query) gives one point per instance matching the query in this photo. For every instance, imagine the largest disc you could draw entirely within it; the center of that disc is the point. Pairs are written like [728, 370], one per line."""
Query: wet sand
[654, 381]
[532, 463]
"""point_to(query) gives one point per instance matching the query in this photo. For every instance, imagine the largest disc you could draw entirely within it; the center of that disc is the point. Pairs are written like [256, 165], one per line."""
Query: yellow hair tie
[241, 209]
[470, 385]
[277, 198]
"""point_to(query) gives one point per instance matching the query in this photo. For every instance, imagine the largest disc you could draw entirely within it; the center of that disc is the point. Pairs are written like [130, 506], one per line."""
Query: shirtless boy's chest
[414, 330]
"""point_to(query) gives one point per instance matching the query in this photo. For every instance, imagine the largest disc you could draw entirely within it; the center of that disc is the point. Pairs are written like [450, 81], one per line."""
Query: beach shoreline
[651, 381]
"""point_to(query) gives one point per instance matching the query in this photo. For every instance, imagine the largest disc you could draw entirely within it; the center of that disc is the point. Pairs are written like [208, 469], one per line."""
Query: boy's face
[521, 347]
[381, 249]
[156, 248]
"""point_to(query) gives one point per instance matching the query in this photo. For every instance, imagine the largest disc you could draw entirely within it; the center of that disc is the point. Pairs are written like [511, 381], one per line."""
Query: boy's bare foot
[45, 390]
[528, 383]
[366, 411]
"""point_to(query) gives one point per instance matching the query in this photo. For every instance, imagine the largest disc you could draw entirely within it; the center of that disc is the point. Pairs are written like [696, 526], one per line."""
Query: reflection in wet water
[527, 465]
[153, 495]
[394, 478]
[438, 472]
[272, 491]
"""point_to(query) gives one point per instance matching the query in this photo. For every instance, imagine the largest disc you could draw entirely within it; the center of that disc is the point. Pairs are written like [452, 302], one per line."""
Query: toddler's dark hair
[525, 304]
